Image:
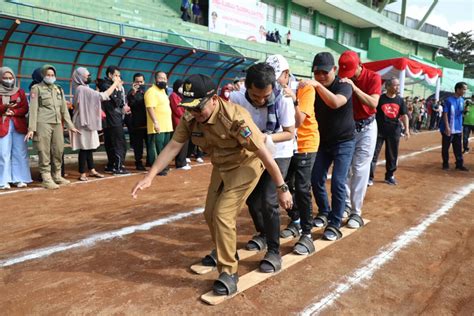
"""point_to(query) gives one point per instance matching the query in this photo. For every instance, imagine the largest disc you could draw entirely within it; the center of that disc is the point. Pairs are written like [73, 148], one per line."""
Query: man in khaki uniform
[238, 154]
[48, 110]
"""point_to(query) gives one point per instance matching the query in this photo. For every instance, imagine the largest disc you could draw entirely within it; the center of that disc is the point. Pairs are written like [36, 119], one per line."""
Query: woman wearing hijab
[36, 76]
[88, 120]
[48, 110]
[14, 166]
[176, 114]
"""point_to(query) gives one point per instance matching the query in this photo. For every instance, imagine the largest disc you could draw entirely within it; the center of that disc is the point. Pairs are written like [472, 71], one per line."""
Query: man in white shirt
[274, 115]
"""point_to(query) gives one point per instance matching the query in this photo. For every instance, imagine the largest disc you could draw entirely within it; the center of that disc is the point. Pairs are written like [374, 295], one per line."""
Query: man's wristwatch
[284, 187]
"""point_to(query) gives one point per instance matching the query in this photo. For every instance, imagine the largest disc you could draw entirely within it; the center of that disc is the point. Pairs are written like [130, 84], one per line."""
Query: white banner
[244, 19]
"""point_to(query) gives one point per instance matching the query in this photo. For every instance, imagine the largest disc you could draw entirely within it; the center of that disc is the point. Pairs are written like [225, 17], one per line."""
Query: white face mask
[49, 80]
[180, 90]
[8, 82]
[227, 94]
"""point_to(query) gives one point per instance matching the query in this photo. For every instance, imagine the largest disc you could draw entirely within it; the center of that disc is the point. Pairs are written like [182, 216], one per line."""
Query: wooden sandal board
[199, 268]
[255, 277]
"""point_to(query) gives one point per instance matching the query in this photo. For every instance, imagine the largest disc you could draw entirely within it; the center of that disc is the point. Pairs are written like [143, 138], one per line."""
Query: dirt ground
[147, 272]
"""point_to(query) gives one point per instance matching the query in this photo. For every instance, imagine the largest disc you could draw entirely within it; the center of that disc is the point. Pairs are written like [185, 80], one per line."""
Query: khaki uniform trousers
[49, 141]
[226, 196]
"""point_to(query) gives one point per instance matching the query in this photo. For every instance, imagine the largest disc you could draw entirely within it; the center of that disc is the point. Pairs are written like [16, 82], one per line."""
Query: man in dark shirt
[333, 108]
[138, 132]
[114, 138]
[390, 109]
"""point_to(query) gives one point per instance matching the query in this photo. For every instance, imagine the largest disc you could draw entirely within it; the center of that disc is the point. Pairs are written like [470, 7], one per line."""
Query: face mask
[180, 90]
[8, 82]
[49, 80]
[161, 84]
[227, 94]
[88, 80]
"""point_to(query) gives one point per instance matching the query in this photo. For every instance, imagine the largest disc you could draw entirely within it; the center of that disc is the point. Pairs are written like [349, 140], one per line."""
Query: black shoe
[462, 168]
[445, 167]
[140, 167]
[163, 173]
[465, 151]
[391, 181]
[108, 169]
[121, 171]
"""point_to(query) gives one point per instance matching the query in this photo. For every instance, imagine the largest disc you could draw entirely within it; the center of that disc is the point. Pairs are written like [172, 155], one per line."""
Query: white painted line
[387, 253]
[92, 180]
[89, 241]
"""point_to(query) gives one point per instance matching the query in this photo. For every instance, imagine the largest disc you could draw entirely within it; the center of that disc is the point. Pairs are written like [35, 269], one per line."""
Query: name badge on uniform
[197, 134]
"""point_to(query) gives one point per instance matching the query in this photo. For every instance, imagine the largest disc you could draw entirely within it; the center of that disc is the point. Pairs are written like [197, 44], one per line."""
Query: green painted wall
[378, 51]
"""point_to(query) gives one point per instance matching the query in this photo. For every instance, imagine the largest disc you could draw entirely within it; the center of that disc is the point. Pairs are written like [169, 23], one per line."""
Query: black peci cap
[196, 89]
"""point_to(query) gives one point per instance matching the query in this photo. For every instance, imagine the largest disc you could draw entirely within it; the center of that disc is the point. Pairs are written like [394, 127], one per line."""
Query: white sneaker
[5, 187]
[370, 183]
[21, 185]
[199, 160]
[187, 167]
[188, 160]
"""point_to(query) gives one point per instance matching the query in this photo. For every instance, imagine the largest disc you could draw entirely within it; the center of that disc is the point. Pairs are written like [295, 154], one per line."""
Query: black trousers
[391, 154]
[264, 207]
[180, 159]
[456, 140]
[299, 181]
[194, 150]
[138, 137]
[86, 160]
[466, 132]
[115, 146]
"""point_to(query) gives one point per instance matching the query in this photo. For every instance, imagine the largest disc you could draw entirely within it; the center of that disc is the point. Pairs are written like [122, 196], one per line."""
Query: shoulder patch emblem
[245, 132]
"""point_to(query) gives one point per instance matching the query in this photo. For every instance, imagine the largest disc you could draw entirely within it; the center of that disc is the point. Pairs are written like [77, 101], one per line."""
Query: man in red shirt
[367, 86]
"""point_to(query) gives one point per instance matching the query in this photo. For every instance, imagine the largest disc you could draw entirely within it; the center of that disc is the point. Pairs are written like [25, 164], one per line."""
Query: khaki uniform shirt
[229, 136]
[48, 105]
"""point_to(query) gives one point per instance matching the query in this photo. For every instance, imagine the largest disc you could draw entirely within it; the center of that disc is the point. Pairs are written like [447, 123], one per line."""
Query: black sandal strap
[210, 260]
[307, 243]
[226, 284]
[272, 259]
[335, 230]
[259, 241]
[357, 218]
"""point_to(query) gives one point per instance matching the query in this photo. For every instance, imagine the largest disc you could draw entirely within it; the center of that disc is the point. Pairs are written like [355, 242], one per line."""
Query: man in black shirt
[138, 132]
[390, 110]
[333, 108]
[114, 138]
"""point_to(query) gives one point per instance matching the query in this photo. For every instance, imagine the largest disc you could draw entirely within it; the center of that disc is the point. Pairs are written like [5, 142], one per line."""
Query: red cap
[348, 63]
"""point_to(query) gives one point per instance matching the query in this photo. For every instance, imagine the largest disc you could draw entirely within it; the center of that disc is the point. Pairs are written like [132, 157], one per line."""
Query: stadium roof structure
[27, 45]
[403, 68]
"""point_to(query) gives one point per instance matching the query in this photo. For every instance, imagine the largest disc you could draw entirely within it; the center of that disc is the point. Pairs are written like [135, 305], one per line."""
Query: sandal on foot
[332, 233]
[355, 221]
[96, 175]
[320, 221]
[83, 178]
[304, 246]
[257, 243]
[271, 263]
[226, 284]
[210, 260]
[292, 230]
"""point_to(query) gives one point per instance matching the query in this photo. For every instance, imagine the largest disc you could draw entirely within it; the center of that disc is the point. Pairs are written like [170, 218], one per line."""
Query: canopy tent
[403, 68]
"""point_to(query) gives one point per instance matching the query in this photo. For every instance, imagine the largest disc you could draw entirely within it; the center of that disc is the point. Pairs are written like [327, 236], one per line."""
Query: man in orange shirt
[301, 166]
